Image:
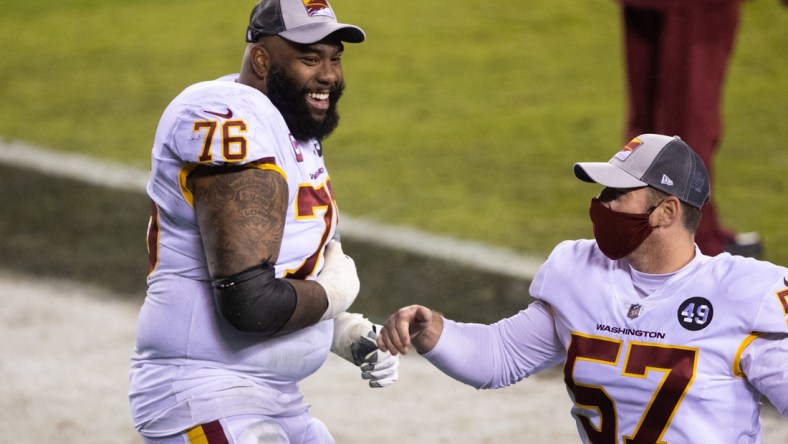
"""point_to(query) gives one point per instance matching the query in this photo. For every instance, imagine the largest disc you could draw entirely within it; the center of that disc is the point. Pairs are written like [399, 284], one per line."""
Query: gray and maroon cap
[662, 162]
[300, 21]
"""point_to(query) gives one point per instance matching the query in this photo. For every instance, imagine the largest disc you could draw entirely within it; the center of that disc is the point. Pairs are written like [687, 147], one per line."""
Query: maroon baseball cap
[662, 162]
[300, 21]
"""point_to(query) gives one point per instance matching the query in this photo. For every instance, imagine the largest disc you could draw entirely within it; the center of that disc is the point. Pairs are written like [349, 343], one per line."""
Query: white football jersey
[189, 366]
[665, 367]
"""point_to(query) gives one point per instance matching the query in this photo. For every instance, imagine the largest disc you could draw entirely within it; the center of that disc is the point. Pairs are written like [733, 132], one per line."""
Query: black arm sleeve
[255, 301]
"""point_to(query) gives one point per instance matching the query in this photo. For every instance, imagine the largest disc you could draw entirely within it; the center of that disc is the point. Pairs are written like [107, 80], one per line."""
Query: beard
[291, 102]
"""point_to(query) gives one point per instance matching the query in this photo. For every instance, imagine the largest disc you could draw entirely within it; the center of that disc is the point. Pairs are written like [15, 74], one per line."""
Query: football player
[248, 287]
[659, 343]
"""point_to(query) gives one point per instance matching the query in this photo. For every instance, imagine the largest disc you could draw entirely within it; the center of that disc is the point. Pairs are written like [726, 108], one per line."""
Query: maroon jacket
[670, 4]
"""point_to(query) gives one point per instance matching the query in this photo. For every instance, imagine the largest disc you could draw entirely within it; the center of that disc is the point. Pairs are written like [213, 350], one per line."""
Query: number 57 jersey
[664, 368]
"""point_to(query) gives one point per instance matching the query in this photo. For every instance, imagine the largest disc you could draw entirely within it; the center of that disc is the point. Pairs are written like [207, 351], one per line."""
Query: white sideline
[65, 364]
[120, 177]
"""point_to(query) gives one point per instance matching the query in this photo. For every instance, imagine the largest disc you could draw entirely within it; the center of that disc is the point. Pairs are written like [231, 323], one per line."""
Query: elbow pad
[255, 301]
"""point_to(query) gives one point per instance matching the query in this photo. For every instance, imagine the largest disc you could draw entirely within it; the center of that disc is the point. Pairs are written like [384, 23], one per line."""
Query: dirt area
[64, 360]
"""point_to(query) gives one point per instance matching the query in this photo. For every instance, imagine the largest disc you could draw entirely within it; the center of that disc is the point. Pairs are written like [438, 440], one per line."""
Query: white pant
[253, 429]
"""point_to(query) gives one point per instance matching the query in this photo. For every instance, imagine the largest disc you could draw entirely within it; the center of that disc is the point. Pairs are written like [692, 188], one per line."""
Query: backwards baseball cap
[662, 162]
[300, 21]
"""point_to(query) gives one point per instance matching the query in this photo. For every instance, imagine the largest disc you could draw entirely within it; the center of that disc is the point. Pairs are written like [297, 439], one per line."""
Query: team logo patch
[318, 8]
[296, 148]
[634, 311]
[628, 149]
[695, 313]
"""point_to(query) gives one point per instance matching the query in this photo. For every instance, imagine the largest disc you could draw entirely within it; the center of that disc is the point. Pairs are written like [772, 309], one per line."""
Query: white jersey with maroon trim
[665, 367]
[219, 123]
[189, 366]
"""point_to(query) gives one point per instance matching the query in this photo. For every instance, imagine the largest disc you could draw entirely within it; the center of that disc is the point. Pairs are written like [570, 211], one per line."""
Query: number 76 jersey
[220, 123]
[189, 365]
[664, 368]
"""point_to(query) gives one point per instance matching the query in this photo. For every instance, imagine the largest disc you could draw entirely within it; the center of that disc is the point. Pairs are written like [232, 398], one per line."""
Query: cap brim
[315, 32]
[606, 174]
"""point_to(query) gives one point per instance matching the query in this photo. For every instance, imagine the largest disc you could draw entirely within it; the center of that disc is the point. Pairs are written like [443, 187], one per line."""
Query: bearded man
[248, 290]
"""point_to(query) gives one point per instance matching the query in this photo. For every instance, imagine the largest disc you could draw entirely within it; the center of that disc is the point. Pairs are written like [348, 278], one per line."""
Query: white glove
[354, 341]
[339, 279]
[379, 367]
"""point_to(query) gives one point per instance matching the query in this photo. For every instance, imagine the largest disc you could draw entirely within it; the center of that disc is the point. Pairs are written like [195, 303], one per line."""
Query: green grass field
[461, 120]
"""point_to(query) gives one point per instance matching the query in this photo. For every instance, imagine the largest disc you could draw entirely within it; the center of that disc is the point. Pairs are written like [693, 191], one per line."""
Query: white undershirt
[646, 284]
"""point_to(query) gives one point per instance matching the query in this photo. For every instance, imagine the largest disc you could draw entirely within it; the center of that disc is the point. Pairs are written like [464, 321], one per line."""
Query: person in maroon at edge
[677, 54]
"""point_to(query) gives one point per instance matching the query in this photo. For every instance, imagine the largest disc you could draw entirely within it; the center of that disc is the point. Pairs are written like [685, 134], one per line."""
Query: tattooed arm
[241, 213]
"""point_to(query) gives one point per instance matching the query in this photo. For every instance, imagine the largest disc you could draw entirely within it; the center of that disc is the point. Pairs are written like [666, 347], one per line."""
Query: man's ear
[671, 210]
[260, 60]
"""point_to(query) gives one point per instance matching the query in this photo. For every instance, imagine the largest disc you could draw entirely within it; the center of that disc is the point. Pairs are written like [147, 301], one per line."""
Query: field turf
[461, 119]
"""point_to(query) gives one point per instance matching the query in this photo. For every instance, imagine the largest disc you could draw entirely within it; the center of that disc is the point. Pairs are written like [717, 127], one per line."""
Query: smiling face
[305, 83]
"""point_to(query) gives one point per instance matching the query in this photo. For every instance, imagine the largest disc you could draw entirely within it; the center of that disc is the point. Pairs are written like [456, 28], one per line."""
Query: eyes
[313, 59]
[326, 51]
[610, 194]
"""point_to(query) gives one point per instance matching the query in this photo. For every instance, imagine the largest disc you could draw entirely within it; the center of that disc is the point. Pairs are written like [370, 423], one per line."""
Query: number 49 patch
[695, 313]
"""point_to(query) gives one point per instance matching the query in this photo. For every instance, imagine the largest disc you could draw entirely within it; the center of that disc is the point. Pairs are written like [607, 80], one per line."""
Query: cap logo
[698, 180]
[318, 8]
[628, 149]
[666, 180]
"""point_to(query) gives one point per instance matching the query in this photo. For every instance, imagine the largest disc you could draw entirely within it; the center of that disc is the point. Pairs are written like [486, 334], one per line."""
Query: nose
[330, 72]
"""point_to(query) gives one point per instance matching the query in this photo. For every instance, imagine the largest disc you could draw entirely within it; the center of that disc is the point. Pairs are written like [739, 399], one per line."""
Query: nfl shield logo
[634, 311]
[296, 149]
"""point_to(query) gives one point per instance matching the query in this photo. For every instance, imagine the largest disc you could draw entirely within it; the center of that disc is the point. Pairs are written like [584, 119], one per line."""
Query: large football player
[248, 289]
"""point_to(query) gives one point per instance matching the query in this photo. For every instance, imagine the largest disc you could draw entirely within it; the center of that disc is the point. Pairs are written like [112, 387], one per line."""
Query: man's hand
[415, 324]
[354, 341]
[339, 279]
[379, 367]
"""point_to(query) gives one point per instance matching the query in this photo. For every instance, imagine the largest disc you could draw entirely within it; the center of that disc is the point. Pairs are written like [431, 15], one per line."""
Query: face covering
[618, 234]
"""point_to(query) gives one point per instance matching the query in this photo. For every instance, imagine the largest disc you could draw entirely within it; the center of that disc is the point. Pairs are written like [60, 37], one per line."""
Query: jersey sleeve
[765, 360]
[224, 124]
[501, 354]
[538, 283]
[765, 364]
[772, 316]
[562, 262]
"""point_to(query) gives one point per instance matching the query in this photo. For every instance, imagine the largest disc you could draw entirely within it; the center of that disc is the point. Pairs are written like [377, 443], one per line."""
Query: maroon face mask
[618, 234]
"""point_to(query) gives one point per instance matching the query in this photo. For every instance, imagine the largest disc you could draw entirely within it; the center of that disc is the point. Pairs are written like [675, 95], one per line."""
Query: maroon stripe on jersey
[153, 238]
[214, 433]
[783, 295]
[264, 161]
